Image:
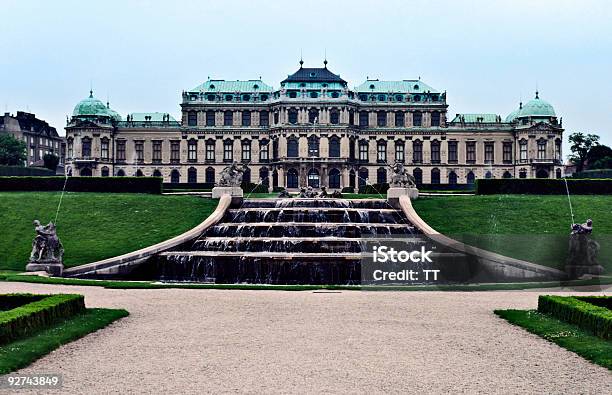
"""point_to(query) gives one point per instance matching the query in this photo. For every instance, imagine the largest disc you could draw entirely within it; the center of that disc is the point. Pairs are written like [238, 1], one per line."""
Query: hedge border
[151, 185]
[578, 312]
[544, 186]
[12, 301]
[27, 319]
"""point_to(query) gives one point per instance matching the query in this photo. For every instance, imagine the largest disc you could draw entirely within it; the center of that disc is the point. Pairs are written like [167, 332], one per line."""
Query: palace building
[315, 130]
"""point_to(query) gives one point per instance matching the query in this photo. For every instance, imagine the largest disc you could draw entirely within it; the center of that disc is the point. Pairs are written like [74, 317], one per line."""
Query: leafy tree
[12, 150]
[603, 163]
[581, 144]
[597, 153]
[51, 161]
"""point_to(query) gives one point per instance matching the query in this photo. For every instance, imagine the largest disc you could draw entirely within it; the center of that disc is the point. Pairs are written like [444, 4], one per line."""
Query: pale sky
[487, 55]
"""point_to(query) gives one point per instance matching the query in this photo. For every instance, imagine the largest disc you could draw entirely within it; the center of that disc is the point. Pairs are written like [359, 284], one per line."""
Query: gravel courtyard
[194, 341]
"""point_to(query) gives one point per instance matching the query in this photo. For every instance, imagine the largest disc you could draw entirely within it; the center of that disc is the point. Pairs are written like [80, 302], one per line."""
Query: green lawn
[21, 353]
[95, 226]
[529, 227]
[566, 335]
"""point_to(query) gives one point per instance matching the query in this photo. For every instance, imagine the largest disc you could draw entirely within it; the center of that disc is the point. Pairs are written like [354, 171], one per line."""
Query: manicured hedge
[601, 173]
[601, 301]
[11, 301]
[83, 184]
[543, 186]
[348, 190]
[168, 186]
[25, 171]
[249, 187]
[588, 316]
[374, 188]
[27, 319]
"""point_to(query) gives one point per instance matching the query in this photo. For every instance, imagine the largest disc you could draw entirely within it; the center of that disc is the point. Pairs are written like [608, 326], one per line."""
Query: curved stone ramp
[123, 264]
[497, 265]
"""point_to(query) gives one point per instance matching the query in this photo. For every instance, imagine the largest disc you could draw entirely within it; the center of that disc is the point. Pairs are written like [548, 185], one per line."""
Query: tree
[603, 163]
[12, 150]
[596, 154]
[51, 161]
[581, 145]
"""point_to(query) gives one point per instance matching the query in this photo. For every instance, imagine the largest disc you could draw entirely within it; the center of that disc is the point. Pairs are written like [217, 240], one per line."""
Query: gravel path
[194, 341]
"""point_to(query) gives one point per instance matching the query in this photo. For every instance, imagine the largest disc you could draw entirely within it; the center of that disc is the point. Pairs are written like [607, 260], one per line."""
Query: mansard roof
[404, 86]
[224, 86]
[314, 74]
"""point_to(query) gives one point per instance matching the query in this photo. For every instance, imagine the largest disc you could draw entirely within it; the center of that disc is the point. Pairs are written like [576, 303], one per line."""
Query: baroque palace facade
[315, 130]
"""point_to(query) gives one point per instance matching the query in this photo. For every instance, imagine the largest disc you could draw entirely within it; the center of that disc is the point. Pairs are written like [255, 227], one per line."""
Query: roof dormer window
[212, 86]
[372, 86]
[416, 87]
[255, 86]
[313, 74]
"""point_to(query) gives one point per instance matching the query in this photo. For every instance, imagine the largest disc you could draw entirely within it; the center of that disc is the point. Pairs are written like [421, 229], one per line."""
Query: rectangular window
[157, 151]
[104, 149]
[523, 151]
[210, 151]
[363, 152]
[558, 150]
[210, 118]
[435, 118]
[139, 148]
[246, 151]
[541, 149]
[264, 118]
[85, 149]
[435, 152]
[228, 118]
[363, 119]
[453, 157]
[507, 152]
[192, 151]
[175, 151]
[470, 152]
[192, 118]
[399, 152]
[417, 119]
[121, 150]
[399, 119]
[264, 151]
[417, 152]
[381, 118]
[246, 118]
[381, 156]
[228, 151]
[489, 152]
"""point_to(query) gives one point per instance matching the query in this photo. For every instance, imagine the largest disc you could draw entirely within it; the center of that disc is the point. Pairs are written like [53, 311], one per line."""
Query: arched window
[264, 177]
[334, 178]
[293, 116]
[471, 177]
[192, 175]
[156, 173]
[542, 173]
[292, 178]
[85, 147]
[139, 173]
[313, 146]
[435, 151]
[228, 150]
[488, 174]
[105, 172]
[85, 172]
[313, 115]
[418, 175]
[228, 118]
[334, 147]
[381, 175]
[192, 118]
[522, 173]
[558, 173]
[435, 118]
[313, 178]
[363, 177]
[192, 150]
[381, 151]
[400, 151]
[435, 176]
[292, 147]
[264, 150]
[246, 176]
[352, 178]
[175, 176]
[452, 178]
[334, 117]
[507, 174]
[120, 173]
[246, 150]
[210, 175]
[363, 150]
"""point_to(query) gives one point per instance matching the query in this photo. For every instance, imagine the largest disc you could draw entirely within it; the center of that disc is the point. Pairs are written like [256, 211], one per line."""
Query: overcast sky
[487, 55]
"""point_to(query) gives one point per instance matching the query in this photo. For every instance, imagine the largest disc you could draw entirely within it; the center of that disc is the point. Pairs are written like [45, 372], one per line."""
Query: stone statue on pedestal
[583, 251]
[231, 176]
[400, 177]
[47, 250]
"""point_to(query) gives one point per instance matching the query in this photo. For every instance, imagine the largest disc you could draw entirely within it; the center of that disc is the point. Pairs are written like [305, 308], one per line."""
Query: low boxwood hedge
[83, 184]
[29, 318]
[25, 171]
[586, 315]
[11, 301]
[544, 186]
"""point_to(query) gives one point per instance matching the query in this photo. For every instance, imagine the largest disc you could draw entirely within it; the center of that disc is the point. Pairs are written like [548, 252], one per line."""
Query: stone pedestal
[393, 195]
[235, 192]
[577, 271]
[54, 268]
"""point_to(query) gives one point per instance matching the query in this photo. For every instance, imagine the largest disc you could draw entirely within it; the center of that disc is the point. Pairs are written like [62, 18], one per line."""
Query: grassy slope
[565, 335]
[21, 353]
[529, 227]
[94, 226]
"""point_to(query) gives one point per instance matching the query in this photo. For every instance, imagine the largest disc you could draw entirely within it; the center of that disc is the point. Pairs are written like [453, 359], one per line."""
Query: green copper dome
[537, 108]
[92, 107]
[512, 116]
